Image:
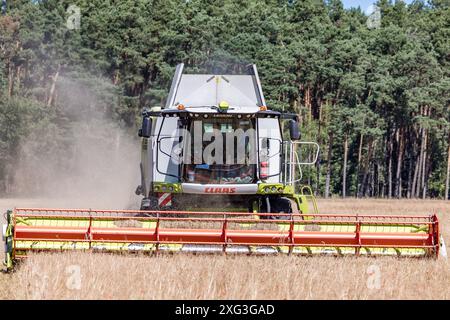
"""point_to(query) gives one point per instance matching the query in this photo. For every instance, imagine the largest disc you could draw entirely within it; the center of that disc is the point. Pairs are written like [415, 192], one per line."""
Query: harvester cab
[216, 144]
[220, 173]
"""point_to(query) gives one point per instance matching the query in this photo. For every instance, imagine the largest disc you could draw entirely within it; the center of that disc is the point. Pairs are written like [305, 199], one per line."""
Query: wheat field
[106, 276]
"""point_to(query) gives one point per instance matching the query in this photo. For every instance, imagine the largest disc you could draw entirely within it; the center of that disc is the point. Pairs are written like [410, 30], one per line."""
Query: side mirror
[294, 131]
[146, 130]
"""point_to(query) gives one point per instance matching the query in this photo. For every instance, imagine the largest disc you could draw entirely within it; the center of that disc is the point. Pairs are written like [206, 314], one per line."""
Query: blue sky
[364, 4]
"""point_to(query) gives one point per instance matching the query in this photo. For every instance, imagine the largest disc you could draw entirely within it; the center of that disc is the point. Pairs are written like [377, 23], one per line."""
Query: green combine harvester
[219, 175]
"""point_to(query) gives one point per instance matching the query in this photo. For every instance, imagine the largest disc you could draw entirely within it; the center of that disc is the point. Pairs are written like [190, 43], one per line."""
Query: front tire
[150, 203]
[277, 205]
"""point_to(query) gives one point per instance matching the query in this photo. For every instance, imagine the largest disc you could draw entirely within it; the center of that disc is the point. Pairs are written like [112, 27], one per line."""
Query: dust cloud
[84, 158]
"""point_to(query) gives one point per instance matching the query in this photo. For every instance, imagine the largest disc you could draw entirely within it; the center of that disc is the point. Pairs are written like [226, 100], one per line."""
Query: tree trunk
[53, 87]
[358, 185]
[319, 141]
[420, 163]
[116, 78]
[398, 181]
[447, 180]
[424, 178]
[344, 169]
[390, 168]
[308, 102]
[375, 180]
[366, 170]
[327, 181]
[10, 80]
[19, 69]
[416, 171]
[410, 176]
[416, 174]
[372, 182]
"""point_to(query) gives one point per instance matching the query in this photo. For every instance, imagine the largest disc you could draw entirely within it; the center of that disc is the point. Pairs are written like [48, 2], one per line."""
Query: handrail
[292, 161]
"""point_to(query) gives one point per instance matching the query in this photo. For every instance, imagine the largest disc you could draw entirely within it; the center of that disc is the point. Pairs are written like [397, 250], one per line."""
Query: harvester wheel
[150, 203]
[277, 205]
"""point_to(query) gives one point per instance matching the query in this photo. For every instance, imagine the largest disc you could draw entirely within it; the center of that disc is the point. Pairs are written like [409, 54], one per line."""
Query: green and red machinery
[219, 175]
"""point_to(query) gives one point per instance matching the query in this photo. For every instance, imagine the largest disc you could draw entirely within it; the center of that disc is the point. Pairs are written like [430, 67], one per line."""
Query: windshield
[222, 151]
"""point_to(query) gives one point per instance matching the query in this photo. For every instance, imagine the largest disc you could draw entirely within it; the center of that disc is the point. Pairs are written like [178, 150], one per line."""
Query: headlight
[266, 189]
[274, 189]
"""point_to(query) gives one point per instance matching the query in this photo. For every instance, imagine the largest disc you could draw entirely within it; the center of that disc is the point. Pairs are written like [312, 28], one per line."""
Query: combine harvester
[218, 176]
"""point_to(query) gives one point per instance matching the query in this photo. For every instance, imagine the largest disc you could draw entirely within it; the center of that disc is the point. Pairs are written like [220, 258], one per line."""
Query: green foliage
[314, 57]
[18, 118]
